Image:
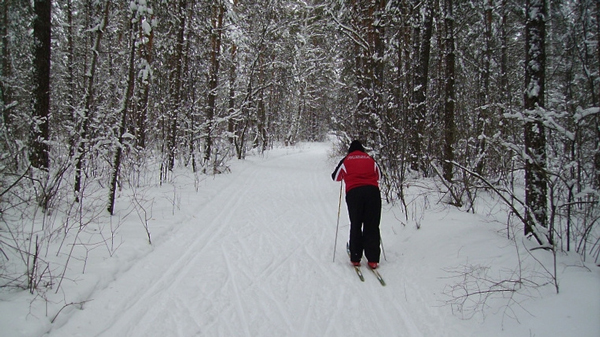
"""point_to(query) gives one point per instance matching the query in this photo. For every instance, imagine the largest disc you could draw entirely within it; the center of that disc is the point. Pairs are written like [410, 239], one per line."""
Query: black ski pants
[364, 209]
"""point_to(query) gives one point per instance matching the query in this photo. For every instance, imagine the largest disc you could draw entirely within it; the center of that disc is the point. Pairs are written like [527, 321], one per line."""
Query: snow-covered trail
[256, 260]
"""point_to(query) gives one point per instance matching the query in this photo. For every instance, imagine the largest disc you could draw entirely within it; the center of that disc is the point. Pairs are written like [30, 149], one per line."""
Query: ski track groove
[174, 273]
[276, 276]
[239, 303]
[336, 314]
[281, 310]
[306, 320]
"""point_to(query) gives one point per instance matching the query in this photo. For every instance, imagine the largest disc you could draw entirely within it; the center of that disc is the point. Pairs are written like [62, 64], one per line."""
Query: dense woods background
[481, 96]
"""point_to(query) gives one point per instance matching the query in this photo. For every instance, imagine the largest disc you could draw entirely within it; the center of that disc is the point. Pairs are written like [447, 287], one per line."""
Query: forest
[481, 96]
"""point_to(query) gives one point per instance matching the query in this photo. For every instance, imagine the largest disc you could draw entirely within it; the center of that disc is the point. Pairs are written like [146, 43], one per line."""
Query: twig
[67, 305]
[493, 188]
[456, 199]
[15, 182]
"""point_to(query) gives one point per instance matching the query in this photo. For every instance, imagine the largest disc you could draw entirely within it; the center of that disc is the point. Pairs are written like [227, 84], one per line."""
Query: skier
[361, 174]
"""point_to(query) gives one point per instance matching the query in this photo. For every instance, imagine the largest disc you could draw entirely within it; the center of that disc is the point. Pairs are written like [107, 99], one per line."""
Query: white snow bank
[250, 254]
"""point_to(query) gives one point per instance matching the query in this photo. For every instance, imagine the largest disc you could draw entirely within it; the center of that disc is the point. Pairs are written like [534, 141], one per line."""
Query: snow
[249, 253]
[146, 27]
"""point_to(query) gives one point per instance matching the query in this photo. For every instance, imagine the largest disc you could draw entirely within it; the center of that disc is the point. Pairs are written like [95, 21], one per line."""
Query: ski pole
[337, 226]
[382, 249]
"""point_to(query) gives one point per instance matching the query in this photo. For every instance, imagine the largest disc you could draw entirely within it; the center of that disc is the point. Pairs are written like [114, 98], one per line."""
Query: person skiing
[361, 174]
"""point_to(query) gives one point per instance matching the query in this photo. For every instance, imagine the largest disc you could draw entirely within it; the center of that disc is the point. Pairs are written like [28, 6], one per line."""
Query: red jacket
[357, 169]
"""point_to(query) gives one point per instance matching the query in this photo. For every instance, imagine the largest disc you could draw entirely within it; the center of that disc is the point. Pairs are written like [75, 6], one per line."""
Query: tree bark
[88, 99]
[5, 68]
[218, 11]
[484, 90]
[40, 131]
[231, 119]
[122, 124]
[176, 63]
[368, 57]
[449, 124]
[420, 90]
[597, 95]
[146, 80]
[505, 92]
[535, 135]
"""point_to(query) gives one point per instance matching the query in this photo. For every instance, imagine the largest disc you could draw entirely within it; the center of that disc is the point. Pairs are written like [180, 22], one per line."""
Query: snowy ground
[250, 254]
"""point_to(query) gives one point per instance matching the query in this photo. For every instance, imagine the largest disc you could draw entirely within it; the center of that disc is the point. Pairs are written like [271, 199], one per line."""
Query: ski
[356, 268]
[359, 273]
[378, 276]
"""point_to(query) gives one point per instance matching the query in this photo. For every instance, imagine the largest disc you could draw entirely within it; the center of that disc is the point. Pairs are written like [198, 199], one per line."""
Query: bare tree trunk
[420, 91]
[377, 41]
[535, 135]
[597, 96]
[218, 10]
[40, 131]
[449, 125]
[122, 124]
[367, 18]
[232, 123]
[142, 106]
[176, 75]
[88, 99]
[505, 92]
[261, 114]
[5, 68]
[70, 76]
[484, 90]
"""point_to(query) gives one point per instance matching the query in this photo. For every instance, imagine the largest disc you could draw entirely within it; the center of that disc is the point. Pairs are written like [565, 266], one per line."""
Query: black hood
[356, 145]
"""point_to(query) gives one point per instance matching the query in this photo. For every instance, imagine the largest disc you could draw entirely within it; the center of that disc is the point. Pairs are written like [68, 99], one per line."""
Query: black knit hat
[356, 145]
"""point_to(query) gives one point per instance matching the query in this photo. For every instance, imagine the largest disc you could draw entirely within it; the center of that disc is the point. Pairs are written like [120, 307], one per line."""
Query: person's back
[359, 170]
[361, 174]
